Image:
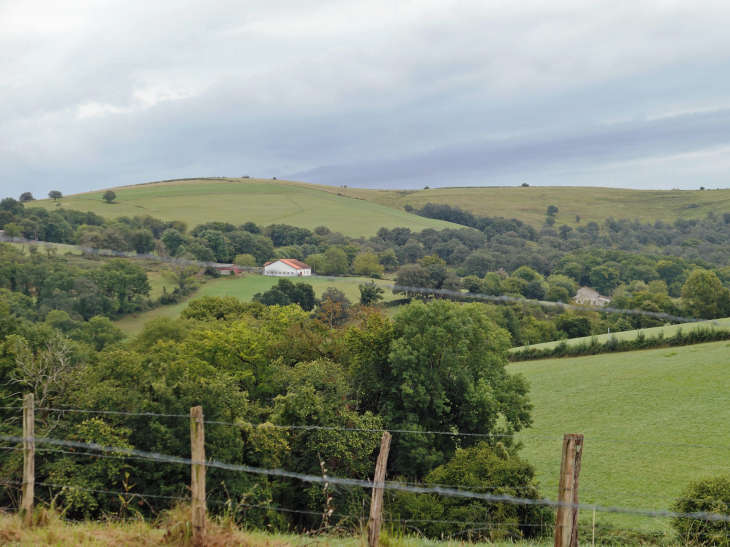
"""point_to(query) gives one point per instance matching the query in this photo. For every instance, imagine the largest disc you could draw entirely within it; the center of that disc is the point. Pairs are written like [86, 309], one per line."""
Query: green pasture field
[667, 330]
[241, 200]
[635, 410]
[530, 204]
[360, 212]
[243, 288]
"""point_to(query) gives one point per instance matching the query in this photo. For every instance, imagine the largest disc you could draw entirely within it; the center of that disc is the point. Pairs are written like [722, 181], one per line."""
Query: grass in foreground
[648, 418]
[173, 530]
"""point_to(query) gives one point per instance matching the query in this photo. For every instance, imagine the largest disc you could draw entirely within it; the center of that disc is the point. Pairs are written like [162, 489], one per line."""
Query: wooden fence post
[376, 506]
[197, 482]
[28, 493]
[566, 518]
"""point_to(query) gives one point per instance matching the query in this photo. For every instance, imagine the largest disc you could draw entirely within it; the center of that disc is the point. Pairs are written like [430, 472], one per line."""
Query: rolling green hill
[530, 204]
[240, 200]
[633, 408]
[360, 212]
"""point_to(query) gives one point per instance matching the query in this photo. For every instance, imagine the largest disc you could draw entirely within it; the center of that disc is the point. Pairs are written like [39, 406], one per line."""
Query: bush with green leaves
[706, 495]
[482, 468]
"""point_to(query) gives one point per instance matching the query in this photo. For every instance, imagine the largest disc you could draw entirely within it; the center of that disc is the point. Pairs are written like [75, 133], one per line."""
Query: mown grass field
[633, 408]
[668, 331]
[243, 288]
[241, 200]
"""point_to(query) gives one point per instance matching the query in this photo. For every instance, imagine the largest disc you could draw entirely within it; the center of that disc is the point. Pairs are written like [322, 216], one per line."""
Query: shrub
[707, 495]
[474, 469]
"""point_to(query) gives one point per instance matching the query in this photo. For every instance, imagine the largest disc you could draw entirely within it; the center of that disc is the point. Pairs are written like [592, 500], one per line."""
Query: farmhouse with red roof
[287, 267]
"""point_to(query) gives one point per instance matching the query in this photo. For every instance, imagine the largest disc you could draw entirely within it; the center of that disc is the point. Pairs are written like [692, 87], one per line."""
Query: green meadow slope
[240, 200]
[359, 212]
[668, 331]
[635, 410]
[530, 204]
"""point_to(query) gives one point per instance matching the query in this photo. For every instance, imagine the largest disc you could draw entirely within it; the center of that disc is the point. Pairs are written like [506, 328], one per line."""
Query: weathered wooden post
[566, 517]
[376, 506]
[197, 483]
[28, 493]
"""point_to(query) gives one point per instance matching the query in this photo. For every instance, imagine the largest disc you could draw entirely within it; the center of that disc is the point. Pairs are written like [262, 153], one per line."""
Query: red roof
[296, 264]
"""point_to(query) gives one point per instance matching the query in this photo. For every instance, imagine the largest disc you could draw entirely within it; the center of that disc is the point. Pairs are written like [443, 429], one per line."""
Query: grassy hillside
[666, 396]
[360, 212]
[240, 200]
[668, 331]
[530, 204]
[244, 287]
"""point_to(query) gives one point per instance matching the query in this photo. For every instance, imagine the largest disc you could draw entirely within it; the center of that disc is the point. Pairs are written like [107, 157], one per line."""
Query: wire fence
[450, 491]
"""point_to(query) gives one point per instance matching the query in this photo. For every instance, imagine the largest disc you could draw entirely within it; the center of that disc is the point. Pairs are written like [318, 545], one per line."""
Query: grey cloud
[363, 93]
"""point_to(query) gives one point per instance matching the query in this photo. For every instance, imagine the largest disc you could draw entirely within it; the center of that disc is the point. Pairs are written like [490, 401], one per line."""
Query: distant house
[228, 269]
[287, 267]
[591, 297]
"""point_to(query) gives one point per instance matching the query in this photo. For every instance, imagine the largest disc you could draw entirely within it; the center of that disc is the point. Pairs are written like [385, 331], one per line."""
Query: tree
[143, 241]
[432, 259]
[526, 273]
[535, 290]
[26, 196]
[389, 260]
[556, 293]
[335, 262]
[574, 327]
[12, 206]
[49, 372]
[173, 239]
[220, 308]
[605, 278]
[370, 293]
[121, 279]
[109, 196]
[481, 468]
[704, 296]
[272, 297]
[447, 372]
[55, 194]
[367, 264]
[564, 231]
[410, 277]
[99, 333]
[218, 243]
[245, 261]
[286, 292]
[185, 273]
[334, 307]
[550, 221]
[12, 230]
[552, 210]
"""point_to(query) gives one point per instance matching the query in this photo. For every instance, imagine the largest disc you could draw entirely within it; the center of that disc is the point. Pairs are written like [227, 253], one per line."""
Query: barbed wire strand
[494, 498]
[392, 431]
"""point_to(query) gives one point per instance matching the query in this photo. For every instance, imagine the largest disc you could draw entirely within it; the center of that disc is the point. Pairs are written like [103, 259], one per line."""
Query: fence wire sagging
[566, 504]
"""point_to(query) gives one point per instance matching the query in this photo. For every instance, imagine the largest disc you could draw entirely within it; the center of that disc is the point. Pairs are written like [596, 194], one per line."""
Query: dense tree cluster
[435, 367]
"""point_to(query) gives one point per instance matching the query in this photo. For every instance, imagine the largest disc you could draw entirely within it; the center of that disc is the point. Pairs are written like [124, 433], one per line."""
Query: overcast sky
[381, 94]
